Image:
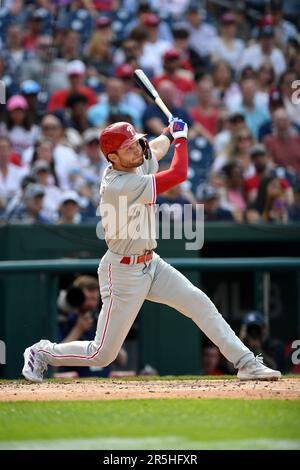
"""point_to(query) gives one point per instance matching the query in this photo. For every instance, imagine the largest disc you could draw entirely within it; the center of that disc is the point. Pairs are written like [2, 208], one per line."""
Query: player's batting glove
[178, 128]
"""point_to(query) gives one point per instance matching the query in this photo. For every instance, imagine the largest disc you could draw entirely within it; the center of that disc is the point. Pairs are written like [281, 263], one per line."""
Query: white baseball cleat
[34, 365]
[256, 370]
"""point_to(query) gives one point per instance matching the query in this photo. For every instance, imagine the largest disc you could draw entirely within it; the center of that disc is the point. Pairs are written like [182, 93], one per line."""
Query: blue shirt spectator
[112, 103]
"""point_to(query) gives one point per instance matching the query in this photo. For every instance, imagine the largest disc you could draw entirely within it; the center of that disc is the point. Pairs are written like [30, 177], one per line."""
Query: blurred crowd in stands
[232, 73]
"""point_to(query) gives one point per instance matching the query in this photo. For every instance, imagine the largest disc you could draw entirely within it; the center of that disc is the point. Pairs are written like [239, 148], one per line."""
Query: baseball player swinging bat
[131, 271]
[143, 81]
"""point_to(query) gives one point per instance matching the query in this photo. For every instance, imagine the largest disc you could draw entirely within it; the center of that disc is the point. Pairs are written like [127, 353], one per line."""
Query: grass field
[151, 424]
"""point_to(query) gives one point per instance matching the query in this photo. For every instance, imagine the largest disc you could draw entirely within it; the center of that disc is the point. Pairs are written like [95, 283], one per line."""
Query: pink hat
[16, 102]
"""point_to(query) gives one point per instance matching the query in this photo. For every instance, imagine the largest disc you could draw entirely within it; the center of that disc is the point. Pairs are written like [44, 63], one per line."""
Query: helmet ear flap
[145, 147]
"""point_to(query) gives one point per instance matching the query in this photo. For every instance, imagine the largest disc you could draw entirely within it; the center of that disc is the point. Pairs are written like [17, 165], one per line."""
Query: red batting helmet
[118, 136]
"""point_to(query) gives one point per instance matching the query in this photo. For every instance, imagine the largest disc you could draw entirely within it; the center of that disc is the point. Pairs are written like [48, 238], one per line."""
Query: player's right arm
[177, 173]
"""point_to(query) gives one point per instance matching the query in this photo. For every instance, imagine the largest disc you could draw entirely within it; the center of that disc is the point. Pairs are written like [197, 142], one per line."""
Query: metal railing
[207, 264]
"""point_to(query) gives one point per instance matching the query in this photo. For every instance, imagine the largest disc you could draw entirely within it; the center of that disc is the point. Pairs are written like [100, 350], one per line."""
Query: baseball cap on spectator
[69, 196]
[16, 102]
[151, 19]
[37, 15]
[124, 71]
[236, 116]
[40, 165]
[91, 135]
[253, 318]
[171, 54]
[257, 149]
[76, 67]
[194, 7]
[33, 190]
[205, 192]
[30, 87]
[265, 21]
[266, 31]
[180, 31]
[228, 18]
[103, 22]
[63, 120]
[44, 41]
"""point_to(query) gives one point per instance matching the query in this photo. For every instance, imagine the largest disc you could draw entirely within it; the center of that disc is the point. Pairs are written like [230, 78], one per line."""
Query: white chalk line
[148, 443]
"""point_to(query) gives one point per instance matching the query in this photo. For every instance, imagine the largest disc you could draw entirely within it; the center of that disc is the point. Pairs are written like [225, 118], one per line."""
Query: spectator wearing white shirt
[65, 159]
[287, 91]
[10, 175]
[132, 98]
[202, 35]
[237, 150]
[227, 47]
[164, 31]
[284, 30]
[41, 170]
[18, 127]
[175, 8]
[265, 83]
[264, 52]
[225, 89]
[92, 165]
[233, 122]
[154, 48]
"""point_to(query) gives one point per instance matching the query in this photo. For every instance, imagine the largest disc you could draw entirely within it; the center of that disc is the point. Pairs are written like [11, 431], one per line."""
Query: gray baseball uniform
[128, 214]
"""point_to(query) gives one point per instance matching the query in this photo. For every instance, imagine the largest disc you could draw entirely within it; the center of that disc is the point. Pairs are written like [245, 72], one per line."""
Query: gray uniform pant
[123, 290]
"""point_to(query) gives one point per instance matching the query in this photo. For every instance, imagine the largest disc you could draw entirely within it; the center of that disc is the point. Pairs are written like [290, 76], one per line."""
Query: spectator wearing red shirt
[173, 72]
[258, 154]
[76, 75]
[34, 30]
[181, 36]
[206, 112]
[283, 145]
[212, 360]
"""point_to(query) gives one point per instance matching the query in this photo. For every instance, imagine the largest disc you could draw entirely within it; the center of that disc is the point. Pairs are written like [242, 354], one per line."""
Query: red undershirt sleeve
[177, 173]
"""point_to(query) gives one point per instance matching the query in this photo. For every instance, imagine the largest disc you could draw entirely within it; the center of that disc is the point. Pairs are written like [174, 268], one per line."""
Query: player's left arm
[160, 146]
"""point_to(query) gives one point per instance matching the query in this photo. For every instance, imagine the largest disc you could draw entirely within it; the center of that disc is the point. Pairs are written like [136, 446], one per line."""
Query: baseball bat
[143, 81]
